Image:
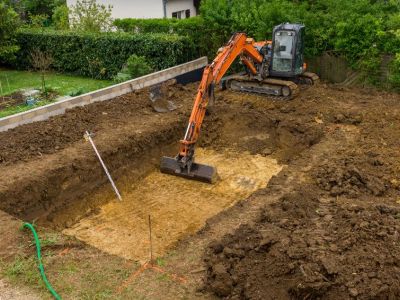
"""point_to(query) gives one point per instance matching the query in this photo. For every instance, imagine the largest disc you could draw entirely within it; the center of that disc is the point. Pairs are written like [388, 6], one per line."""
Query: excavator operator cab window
[283, 51]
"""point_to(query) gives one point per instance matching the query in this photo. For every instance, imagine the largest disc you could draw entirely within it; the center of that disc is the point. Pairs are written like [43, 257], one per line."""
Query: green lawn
[12, 81]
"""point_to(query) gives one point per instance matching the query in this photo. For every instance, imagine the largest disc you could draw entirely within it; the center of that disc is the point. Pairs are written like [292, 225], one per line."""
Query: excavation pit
[67, 190]
[177, 207]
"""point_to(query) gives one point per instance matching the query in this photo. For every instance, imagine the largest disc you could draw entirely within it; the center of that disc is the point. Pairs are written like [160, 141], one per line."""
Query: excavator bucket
[158, 97]
[198, 172]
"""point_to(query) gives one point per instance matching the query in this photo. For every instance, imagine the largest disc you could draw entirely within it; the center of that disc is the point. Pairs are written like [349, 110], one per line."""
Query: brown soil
[11, 100]
[325, 227]
[334, 233]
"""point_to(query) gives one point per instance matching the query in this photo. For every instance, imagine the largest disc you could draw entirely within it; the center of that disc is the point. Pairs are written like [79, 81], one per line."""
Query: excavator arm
[184, 165]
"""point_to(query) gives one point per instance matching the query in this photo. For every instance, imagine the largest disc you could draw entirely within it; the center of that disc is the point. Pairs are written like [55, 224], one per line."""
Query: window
[181, 14]
[283, 56]
[178, 14]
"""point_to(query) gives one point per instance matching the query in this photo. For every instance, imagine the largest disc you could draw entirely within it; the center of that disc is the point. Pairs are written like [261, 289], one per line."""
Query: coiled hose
[39, 257]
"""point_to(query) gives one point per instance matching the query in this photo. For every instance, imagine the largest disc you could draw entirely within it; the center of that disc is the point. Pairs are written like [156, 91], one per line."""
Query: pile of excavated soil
[334, 233]
[305, 247]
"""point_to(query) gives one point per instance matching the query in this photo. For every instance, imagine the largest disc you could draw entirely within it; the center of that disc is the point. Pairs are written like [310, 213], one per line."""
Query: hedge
[193, 28]
[102, 55]
[181, 27]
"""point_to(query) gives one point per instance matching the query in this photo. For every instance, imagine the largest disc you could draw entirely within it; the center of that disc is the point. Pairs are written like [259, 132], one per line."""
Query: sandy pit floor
[178, 207]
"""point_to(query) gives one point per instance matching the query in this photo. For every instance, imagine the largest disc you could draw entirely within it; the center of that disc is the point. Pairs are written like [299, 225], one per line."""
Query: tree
[40, 7]
[38, 21]
[87, 15]
[9, 23]
[41, 61]
[61, 17]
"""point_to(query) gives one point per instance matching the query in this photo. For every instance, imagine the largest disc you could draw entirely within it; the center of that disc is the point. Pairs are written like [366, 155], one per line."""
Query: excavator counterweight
[273, 68]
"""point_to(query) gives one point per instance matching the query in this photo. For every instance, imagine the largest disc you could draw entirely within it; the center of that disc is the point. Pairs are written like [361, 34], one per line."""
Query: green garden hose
[39, 256]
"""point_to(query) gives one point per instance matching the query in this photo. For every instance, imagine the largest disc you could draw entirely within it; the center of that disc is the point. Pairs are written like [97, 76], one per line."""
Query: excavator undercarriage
[283, 89]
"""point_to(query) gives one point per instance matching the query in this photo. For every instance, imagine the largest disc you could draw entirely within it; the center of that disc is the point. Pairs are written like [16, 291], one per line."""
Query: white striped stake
[89, 138]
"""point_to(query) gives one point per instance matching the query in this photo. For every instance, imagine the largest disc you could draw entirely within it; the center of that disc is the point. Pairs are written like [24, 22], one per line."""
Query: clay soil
[324, 227]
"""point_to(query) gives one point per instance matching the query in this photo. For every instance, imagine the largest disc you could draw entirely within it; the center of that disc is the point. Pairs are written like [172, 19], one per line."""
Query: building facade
[140, 9]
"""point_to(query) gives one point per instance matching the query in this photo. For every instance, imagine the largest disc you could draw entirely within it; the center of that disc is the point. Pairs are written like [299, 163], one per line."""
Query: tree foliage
[38, 21]
[29, 8]
[61, 17]
[360, 30]
[9, 23]
[89, 16]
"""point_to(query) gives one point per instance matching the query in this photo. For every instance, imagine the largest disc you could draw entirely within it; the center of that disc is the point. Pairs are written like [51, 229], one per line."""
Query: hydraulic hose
[39, 258]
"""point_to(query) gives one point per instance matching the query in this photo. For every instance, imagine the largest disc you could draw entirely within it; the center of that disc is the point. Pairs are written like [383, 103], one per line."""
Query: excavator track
[309, 78]
[277, 88]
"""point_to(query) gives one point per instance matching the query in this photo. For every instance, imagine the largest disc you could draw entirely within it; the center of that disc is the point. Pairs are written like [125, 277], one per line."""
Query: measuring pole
[87, 135]
[151, 242]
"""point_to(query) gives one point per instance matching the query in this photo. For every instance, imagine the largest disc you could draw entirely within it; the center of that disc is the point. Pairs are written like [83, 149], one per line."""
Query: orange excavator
[273, 68]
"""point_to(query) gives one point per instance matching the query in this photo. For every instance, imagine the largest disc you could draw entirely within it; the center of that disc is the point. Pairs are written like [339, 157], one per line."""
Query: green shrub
[60, 17]
[76, 92]
[102, 55]
[137, 66]
[394, 78]
[121, 77]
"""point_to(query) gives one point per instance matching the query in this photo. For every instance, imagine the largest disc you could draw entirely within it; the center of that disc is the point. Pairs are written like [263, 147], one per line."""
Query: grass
[13, 80]
[20, 108]
[22, 270]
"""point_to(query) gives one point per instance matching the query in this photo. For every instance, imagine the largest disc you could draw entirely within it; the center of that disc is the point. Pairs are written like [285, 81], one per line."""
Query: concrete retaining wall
[45, 112]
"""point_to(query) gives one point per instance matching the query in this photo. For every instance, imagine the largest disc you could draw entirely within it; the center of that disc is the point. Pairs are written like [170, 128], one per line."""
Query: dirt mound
[305, 248]
[345, 178]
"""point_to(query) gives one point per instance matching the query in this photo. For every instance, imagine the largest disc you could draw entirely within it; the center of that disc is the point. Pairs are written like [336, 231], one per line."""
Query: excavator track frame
[277, 88]
[308, 78]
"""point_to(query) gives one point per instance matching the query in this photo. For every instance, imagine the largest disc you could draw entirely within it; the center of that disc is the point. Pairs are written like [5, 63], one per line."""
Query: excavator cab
[287, 50]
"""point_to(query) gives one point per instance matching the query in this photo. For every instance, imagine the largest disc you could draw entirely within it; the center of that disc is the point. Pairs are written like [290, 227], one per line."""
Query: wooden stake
[151, 242]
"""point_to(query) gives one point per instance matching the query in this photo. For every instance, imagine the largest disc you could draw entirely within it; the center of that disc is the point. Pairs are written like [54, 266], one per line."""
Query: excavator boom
[183, 164]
